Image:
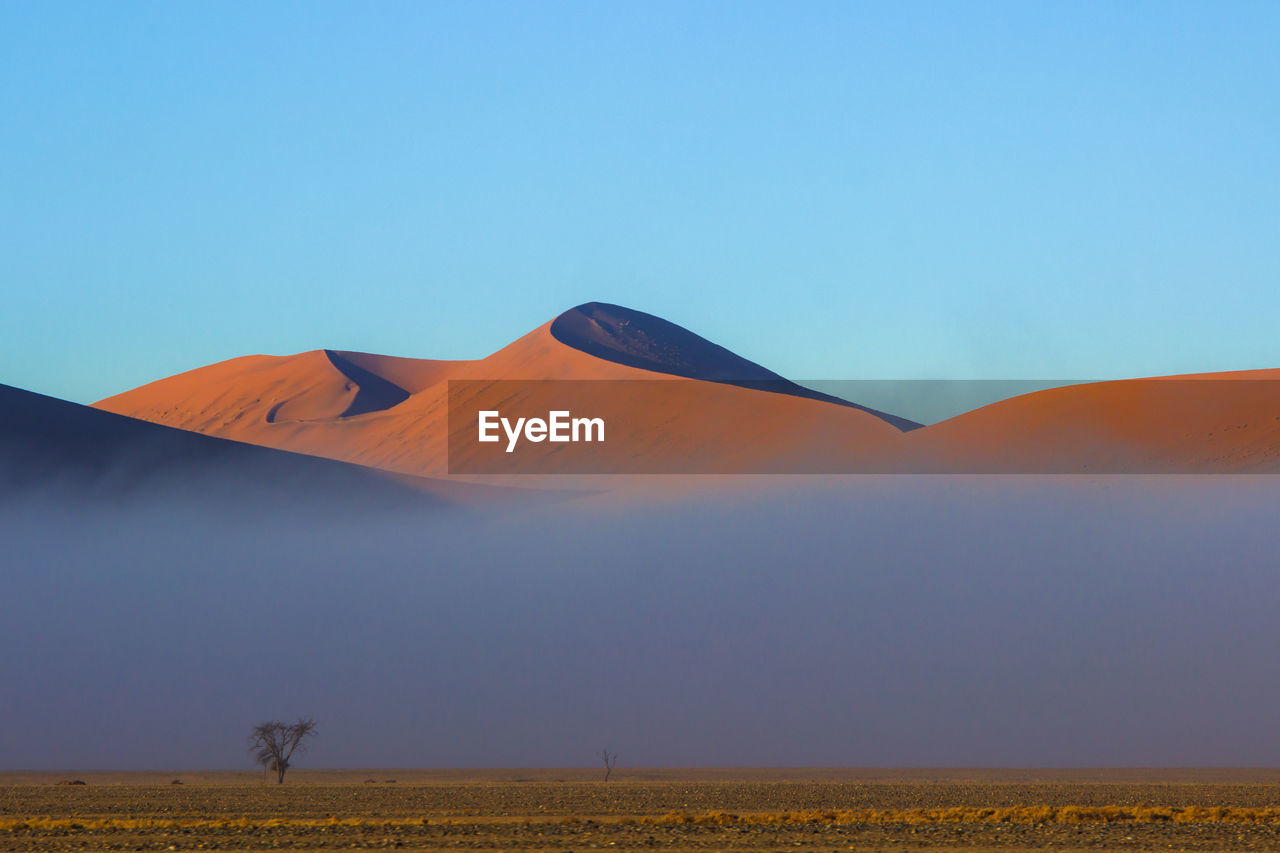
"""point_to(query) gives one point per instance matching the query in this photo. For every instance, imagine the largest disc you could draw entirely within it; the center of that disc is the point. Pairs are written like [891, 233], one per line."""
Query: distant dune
[64, 449]
[704, 410]
[1199, 423]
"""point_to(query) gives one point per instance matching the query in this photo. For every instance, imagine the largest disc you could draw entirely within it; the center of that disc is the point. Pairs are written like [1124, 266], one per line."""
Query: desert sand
[1200, 423]
[679, 404]
[316, 403]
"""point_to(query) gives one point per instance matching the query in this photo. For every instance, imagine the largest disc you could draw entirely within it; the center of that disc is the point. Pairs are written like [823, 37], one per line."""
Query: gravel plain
[669, 810]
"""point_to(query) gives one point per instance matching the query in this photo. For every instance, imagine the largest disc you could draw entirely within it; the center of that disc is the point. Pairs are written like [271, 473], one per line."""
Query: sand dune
[54, 446]
[678, 403]
[1196, 423]
[311, 386]
[712, 410]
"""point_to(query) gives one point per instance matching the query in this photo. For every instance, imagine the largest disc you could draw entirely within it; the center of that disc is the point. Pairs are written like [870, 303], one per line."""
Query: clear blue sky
[845, 190]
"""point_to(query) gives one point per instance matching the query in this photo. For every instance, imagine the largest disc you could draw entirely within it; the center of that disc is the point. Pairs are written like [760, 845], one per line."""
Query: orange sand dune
[677, 403]
[1197, 423]
[320, 385]
[393, 413]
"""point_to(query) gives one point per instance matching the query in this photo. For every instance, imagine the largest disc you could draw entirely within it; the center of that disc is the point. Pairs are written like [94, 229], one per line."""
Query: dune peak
[636, 339]
[648, 342]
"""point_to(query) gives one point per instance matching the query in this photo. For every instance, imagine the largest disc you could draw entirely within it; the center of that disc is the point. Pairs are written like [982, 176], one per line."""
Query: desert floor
[670, 809]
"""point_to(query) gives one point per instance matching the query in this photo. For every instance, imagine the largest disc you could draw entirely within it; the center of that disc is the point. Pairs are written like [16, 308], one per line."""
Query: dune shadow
[647, 342]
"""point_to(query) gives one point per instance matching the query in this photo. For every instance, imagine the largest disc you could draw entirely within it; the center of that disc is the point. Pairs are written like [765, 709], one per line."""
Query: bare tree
[274, 743]
[609, 759]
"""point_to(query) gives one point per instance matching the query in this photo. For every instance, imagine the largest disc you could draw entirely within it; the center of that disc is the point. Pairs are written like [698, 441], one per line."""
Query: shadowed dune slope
[647, 342]
[59, 447]
[1195, 423]
[411, 374]
[347, 405]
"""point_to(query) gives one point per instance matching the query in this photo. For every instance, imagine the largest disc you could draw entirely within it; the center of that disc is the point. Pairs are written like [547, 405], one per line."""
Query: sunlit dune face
[1205, 423]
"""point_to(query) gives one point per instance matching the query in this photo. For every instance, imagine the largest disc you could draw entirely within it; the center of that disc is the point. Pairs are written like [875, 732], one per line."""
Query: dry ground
[804, 809]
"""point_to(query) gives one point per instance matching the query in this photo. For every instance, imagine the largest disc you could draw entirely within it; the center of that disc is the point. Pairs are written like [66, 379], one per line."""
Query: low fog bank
[855, 621]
